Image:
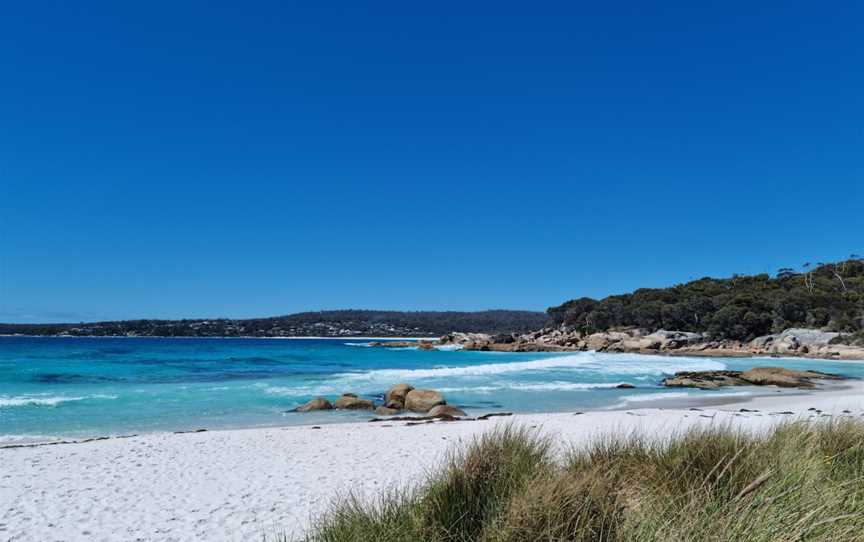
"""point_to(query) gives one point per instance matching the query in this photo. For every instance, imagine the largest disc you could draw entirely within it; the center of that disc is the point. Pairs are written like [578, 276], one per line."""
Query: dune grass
[801, 482]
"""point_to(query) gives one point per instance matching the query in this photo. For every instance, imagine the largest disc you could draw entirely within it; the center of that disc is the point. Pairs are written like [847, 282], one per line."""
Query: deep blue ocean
[84, 387]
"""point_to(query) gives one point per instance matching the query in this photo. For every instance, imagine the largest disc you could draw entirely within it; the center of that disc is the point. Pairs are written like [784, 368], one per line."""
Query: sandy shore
[242, 484]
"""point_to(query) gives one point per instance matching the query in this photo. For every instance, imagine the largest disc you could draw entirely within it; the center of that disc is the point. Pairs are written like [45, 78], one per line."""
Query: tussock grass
[800, 482]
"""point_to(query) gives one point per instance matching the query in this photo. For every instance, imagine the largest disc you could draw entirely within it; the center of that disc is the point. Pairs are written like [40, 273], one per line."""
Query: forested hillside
[340, 323]
[829, 296]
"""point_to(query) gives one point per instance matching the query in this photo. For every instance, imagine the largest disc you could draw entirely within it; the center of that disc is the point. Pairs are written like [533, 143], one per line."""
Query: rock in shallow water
[423, 400]
[785, 378]
[760, 376]
[386, 411]
[395, 396]
[350, 401]
[705, 379]
[319, 403]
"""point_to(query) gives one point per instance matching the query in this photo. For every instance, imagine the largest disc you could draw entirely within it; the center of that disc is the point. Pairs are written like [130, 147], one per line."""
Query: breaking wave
[527, 386]
[49, 400]
[299, 391]
[626, 364]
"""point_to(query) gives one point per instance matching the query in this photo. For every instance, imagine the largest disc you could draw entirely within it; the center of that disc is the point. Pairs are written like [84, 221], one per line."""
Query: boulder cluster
[562, 340]
[760, 376]
[797, 342]
[398, 399]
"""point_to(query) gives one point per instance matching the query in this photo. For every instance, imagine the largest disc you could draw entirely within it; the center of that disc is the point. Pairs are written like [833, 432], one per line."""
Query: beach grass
[802, 481]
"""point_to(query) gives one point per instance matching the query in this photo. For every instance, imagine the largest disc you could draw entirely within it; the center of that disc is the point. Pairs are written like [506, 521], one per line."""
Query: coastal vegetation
[336, 323]
[801, 481]
[828, 297]
[825, 296]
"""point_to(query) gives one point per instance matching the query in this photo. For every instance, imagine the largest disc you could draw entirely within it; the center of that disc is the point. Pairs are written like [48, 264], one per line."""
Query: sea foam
[636, 364]
[529, 386]
[43, 400]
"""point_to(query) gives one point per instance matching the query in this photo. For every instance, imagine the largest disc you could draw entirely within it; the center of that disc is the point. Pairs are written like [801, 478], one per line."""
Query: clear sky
[184, 159]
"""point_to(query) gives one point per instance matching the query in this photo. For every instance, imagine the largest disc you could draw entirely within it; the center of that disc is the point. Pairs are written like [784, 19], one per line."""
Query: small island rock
[785, 378]
[760, 376]
[705, 380]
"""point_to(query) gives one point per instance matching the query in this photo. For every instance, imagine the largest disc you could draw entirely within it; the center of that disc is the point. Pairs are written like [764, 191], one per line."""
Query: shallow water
[79, 387]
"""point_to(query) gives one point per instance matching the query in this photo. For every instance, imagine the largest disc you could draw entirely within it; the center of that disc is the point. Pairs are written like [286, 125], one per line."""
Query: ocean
[54, 388]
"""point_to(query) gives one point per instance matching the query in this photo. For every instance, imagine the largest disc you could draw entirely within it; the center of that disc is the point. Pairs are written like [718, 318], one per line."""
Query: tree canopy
[741, 307]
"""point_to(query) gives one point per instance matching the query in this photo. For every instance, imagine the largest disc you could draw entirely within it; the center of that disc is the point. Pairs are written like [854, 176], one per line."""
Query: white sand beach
[252, 483]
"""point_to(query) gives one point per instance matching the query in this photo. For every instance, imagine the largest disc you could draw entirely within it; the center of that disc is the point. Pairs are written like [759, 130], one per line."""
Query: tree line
[323, 323]
[827, 296]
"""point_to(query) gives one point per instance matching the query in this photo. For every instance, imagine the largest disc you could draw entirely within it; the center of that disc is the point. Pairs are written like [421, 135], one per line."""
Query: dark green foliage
[740, 308]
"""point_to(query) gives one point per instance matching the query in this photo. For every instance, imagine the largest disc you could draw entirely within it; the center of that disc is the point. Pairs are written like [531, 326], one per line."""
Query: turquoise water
[77, 387]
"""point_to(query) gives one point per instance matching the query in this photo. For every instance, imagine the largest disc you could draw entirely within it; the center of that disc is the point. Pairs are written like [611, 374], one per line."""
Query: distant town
[338, 323]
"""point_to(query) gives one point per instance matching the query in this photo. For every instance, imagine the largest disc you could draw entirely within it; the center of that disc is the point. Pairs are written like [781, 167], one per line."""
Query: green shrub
[475, 487]
[802, 482]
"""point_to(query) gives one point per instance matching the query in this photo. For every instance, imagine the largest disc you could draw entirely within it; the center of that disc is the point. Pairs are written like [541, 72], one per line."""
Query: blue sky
[165, 160]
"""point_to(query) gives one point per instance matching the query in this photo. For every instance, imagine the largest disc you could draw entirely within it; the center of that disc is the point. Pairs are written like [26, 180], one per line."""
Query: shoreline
[700, 398]
[238, 484]
[718, 354]
[222, 337]
[684, 352]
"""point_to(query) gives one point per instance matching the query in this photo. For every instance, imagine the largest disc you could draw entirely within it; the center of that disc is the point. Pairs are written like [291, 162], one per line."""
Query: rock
[838, 351]
[421, 344]
[705, 380]
[464, 338]
[785, 378]
[625, 386]
[673, 340]
[319, 403]
[531, 347]
[792, 341]
[446, 410]
[385, 411]
[393, 344]
[636, 344]
[350, 401]
[423, 400]
[503, 338]
[785, 344]
[395, 396]
[762, 343]
[762, 376]
[600, 342]
[810, 337]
